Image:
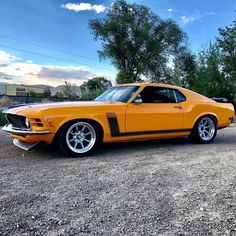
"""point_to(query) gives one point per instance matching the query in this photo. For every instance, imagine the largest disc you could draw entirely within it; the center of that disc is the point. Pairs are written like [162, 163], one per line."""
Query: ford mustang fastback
[123, 113]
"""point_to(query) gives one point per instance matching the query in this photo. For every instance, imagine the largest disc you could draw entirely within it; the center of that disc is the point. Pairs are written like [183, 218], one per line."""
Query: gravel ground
[171, 187]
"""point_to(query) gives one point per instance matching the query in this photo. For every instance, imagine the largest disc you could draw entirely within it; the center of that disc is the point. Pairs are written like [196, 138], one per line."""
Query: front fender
[81, 117]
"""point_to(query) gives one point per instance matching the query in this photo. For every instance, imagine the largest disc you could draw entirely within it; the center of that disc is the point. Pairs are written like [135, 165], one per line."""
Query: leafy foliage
[94, 87]
[213, 71]
[2, 118]
[89, 96]
[141, 45]
[137, 41]
[210, 79]
[227, 44]
[47, 92]
[95, 84]
[32, 93]
[69, 90]
[185, 68]
[59, 95]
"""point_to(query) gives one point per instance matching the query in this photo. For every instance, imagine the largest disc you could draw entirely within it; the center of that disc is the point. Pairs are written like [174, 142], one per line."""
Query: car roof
[190, 94]
[150, 84]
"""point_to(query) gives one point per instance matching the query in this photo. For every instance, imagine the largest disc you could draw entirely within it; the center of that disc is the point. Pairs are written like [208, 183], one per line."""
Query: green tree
[94, 87]
[136, 40]
[95, 84]
[59, 95]
[185, 68]
[47, 92]
[227, 44]
[69, 90]
[210, 79]
[32, 93]
[3, 120]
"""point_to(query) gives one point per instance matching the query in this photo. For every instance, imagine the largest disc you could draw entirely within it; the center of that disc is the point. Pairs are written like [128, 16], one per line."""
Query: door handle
[178, 107]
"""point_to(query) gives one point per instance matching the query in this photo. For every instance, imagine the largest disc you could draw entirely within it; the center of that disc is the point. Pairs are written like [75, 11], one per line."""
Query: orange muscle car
[122, 113]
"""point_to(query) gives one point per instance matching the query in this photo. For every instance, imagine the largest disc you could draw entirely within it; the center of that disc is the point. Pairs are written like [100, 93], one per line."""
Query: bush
[89, 96]
[2, 118]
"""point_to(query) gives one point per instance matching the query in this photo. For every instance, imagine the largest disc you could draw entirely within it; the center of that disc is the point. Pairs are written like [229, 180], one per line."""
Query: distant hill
[54, 90]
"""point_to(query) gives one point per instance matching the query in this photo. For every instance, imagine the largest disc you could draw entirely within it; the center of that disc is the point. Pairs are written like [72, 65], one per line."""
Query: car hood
[62, 105]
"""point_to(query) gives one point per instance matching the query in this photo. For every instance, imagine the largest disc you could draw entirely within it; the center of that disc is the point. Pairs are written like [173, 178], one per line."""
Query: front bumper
[10, 129]
[26, 146]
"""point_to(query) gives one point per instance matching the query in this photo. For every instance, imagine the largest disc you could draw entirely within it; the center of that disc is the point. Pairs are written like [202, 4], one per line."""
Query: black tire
[204, 130]
[71, 140]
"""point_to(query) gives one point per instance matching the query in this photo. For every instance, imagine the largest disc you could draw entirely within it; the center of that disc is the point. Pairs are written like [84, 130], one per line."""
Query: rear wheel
[79, 138]
[204, 130]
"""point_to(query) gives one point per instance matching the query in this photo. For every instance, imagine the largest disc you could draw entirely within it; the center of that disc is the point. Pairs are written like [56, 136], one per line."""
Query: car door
[155, 109]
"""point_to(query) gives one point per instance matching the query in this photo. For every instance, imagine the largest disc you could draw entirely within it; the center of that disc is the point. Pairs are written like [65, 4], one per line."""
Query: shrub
[2, 118]
[89, 96]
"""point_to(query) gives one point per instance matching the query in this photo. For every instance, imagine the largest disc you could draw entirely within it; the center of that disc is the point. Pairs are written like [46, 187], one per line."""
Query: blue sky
[48, 41]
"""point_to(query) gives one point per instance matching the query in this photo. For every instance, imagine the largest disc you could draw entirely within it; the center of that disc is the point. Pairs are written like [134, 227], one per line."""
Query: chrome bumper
[10, 129]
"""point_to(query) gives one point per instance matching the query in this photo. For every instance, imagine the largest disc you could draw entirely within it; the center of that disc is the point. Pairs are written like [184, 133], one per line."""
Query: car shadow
[141, 146]
[110, 150]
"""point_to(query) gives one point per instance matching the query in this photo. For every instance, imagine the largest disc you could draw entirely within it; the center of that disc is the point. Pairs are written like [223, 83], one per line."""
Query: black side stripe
[115, 131]
[155, 132]
[113, 123]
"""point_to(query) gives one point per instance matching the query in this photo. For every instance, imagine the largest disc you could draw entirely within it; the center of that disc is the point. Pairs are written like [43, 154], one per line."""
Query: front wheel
[79, 138]
[204, 130]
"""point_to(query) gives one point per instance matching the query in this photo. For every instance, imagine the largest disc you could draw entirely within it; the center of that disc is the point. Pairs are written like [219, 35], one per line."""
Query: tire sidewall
[196, 136]
[63, 143]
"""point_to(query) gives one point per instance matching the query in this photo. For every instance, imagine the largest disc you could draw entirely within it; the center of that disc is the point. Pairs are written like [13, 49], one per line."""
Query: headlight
[27, 123]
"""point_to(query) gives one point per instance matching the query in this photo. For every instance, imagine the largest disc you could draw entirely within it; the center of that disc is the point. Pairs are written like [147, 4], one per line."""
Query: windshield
[118, 94]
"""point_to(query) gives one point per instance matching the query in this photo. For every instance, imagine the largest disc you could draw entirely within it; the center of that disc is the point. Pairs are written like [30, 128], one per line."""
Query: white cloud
[65, 72]
[170, 9]
[6, 57]
[31, 73]
[20, 69]
[15, 70]
[187, 19]
[84, 7]
[27, 72]
[184, 20]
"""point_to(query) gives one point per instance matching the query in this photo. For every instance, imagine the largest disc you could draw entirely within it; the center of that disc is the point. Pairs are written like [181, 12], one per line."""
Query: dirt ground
[170, 187]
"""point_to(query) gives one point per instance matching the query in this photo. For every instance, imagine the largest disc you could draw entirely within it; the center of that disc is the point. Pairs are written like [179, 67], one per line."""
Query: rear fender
[206, 114]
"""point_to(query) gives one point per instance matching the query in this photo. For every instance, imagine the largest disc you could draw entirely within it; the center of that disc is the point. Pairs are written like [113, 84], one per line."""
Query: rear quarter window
[179, 96]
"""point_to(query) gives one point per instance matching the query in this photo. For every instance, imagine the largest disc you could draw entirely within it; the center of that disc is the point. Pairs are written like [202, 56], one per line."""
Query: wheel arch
[91, 120]
[214, 116]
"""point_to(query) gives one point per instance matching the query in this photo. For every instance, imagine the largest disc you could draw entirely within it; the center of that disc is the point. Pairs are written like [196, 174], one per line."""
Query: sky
[49, 41]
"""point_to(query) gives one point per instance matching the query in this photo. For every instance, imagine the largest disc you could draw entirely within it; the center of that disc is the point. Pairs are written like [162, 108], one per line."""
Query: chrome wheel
[81, 137]
[206, 128]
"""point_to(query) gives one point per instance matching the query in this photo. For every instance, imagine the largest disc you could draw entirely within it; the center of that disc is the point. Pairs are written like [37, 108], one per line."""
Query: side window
[158, 95]
[179, 96]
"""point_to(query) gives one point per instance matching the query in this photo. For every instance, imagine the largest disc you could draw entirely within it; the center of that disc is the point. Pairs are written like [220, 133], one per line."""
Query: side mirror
[138, 100]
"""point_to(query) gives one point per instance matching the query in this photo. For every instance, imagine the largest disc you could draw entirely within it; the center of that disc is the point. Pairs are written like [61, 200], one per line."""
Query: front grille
[17, 121]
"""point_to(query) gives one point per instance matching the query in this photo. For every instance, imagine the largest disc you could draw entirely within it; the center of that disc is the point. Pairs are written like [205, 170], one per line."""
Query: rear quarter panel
[197, 106]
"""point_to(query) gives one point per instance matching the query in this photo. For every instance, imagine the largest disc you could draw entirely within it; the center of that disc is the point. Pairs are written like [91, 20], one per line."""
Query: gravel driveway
[171, 187]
